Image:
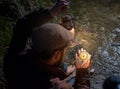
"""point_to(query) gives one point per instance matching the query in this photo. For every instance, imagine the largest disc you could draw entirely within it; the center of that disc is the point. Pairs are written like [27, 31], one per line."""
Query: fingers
[70, 69]
[82, 49]
[63, 4]
[60, 7]
[76, 57]
[66, 3]
[86, 64]
[54, 80]
[82, 63]
[79, 52]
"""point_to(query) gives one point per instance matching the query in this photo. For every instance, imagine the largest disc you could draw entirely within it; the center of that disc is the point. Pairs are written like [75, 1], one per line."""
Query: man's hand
[60, 84]
[61, 6]
[82, 64]
[70, 69]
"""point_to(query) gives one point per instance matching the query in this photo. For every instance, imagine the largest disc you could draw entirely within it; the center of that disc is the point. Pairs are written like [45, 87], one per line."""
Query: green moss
[5, 34]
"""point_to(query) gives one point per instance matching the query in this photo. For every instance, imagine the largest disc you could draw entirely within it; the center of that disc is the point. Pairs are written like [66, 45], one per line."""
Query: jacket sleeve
[82, 80]
[24, 28]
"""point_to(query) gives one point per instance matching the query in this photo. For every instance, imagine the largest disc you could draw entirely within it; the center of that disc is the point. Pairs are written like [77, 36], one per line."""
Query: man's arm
[24, 27]
[82, 80]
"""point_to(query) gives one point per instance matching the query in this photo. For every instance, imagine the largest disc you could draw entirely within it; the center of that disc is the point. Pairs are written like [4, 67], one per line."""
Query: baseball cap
[51, 36]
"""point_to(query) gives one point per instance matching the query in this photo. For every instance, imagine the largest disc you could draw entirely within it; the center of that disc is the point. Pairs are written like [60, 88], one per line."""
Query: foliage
[5, 34]
[6, 25]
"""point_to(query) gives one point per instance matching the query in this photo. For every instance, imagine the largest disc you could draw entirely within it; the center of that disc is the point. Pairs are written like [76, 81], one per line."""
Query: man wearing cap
[34, 68]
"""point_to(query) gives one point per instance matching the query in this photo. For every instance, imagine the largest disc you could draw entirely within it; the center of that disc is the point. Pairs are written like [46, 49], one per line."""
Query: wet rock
[115, 44]
[113, 35]
[115, 63]
[118, 50]
[102, 28]
[116, 30]
[103, 53]
[118, 17]
[92, 71]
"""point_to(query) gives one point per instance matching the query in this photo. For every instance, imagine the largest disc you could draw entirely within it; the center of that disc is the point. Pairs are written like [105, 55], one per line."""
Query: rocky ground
[101, 37]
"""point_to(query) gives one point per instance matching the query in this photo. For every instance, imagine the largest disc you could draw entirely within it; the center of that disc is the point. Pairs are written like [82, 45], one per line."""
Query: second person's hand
[60, 7]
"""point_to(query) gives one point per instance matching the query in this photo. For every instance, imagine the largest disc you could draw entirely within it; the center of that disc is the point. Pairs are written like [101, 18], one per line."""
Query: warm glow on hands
[82, 59]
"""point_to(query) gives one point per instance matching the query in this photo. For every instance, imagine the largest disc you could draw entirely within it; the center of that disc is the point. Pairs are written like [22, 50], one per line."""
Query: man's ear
[58, 54]
[56, 57]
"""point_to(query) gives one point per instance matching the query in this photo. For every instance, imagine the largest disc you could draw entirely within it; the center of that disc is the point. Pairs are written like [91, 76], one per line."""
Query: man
[34, 68]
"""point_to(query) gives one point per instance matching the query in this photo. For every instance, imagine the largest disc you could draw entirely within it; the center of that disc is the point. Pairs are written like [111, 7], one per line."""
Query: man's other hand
[61, 6]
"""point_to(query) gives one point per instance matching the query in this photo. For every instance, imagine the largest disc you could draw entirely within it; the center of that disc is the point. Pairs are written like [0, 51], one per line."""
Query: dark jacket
[23, 70]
